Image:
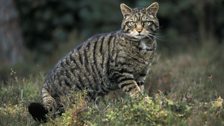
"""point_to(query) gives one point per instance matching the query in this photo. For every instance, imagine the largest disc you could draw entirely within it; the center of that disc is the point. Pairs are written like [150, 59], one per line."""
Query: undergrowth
[185, 90]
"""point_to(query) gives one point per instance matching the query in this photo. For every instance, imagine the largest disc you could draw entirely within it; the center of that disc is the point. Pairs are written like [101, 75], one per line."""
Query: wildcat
[103, 63]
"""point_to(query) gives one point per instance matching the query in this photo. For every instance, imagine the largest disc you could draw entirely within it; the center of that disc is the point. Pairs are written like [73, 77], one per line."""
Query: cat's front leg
[130, 87]
[141, 81]
[127, 83]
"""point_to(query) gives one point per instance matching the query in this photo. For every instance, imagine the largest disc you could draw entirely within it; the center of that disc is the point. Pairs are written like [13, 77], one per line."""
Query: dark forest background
[35, 34]
[186, 82]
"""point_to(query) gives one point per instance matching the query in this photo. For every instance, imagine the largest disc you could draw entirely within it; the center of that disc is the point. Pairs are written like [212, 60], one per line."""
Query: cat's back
[98, 44]
[87, 64]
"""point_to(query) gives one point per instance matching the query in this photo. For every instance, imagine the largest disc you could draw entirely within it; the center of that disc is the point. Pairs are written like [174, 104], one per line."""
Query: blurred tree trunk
[201, 20]
[205, 18]
[11, 47]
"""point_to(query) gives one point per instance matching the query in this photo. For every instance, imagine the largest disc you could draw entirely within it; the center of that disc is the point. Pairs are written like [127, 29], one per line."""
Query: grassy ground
[185, 89]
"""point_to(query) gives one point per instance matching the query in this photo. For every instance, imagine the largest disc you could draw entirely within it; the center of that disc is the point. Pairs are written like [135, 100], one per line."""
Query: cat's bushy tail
[38, 111]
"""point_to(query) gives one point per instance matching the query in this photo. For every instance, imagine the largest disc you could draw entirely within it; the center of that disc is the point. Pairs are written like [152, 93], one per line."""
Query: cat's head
[140, 23]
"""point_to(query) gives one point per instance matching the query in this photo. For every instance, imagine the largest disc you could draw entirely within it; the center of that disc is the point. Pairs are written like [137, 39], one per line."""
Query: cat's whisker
[153, 36]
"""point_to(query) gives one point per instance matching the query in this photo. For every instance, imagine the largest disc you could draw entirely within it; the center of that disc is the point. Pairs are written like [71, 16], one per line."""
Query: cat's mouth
[140, 36]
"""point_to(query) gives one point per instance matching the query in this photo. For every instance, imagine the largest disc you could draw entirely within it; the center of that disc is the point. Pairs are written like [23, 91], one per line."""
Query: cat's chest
[137, 52]
[142, 49]
[133, 47]
[145, 46]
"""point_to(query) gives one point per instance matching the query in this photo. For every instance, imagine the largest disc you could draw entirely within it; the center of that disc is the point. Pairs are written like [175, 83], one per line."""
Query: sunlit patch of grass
[125, 111]
[157, 111]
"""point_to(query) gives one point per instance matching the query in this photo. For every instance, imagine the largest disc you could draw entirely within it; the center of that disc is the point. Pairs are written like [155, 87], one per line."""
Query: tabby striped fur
[104, 62]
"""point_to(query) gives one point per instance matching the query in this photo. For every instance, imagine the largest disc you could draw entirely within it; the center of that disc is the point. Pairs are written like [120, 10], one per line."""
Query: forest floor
[185, 89]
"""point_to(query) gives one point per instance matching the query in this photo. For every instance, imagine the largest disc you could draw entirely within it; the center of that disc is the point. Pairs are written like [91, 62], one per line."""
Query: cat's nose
[139, 28]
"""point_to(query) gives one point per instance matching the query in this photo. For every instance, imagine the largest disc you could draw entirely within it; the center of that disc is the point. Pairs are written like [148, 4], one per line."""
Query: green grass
[185, 89]
[14, 99]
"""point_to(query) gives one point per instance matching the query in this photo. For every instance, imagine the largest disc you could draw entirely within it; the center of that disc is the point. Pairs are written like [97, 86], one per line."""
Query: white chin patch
[139, 37]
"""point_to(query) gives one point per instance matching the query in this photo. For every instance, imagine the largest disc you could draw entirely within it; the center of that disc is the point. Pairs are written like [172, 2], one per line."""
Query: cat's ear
[153, 8]
[125, 10]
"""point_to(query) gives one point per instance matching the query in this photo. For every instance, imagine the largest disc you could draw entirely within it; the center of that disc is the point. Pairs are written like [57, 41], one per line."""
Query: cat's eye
[131, 23]
[147, 22]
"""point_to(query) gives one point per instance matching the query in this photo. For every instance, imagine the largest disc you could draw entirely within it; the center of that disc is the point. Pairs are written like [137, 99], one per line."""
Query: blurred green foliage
[47, 23]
